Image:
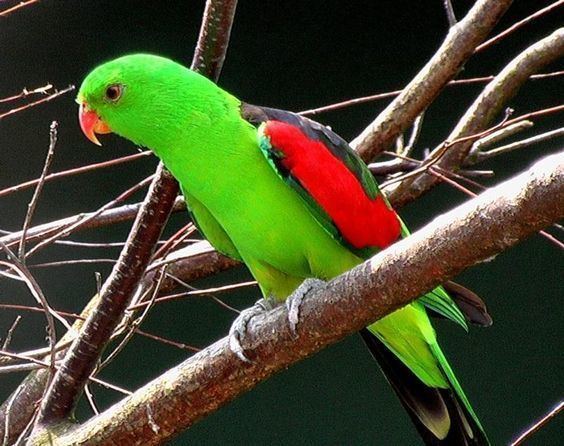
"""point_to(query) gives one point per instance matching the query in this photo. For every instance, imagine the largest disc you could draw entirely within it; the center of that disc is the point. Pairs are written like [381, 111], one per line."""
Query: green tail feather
[442, 416]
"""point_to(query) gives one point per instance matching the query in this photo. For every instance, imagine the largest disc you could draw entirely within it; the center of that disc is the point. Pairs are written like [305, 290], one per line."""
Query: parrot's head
[141, 97]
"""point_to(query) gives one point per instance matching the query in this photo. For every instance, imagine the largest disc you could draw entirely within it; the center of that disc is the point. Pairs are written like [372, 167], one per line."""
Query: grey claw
[239, 328]
[294, 302]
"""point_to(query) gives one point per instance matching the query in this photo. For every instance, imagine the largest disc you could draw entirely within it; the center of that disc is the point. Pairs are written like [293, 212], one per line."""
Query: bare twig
[483, 155]
[25, 93]
[10, 332]
[484, 109]
[41, 181]
[37, 293]
[495, 137]
[76, 171]
[36, 103]
[193, 292]
[89, 221]
[391, 94]
[120, 286]
[539, 424]
[49, 365]
[71, 262]
[41, 352]
[130, 331]
[15, 8]
[445, 146]
[458, 46]
[451, 17]
[211, 378]
[519, 24]
[66, 231]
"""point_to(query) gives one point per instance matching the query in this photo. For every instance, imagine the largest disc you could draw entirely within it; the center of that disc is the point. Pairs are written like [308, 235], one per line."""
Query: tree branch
[470, 233]
[83, 355]
[459, 45]
[482, 112]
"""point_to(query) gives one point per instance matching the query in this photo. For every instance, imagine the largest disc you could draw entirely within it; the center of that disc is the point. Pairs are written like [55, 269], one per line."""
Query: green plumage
[247, 211]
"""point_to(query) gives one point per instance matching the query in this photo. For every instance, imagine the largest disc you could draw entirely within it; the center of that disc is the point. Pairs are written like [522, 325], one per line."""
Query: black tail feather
[469, 303]
[426, 405]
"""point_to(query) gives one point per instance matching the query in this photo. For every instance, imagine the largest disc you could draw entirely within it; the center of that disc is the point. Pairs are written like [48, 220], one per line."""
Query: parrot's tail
[430, 408]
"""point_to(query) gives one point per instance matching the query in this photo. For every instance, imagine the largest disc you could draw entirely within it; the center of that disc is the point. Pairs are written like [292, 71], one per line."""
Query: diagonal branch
[481, 113]
[81, 359]
[470, 233]
[445, 64]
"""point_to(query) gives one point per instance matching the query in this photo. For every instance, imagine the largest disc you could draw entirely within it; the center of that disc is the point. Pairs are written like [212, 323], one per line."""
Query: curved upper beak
[91, 124]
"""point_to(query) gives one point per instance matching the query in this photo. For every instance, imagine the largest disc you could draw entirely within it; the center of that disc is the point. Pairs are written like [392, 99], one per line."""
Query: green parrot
[290, 199]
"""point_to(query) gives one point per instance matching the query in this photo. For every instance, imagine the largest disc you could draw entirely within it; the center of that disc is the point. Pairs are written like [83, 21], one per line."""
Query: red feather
[362, 221]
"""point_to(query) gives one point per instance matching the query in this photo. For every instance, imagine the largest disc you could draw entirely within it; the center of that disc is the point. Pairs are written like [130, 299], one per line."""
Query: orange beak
[91, 124]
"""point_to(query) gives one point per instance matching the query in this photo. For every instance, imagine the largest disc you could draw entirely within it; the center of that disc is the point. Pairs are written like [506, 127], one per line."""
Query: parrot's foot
[239, 326]
[294, 302]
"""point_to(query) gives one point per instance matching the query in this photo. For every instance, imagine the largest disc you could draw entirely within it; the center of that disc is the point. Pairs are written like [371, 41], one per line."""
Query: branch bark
[470, 233]
[459, 45]
[482, 112]
[82, 357]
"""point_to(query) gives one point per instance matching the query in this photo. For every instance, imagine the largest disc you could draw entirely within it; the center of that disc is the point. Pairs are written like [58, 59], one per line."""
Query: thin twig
[519, 24]
[391, 94]
[539, 424]
[495, 137]
[70, 229]
[13, 397]
[15, 8]
[176, 344]
[90, 399]
[10, 332]
[89, 221]
[36, 103]
[451, 17]
[445, 146]
[37, 293]
[72, 262]
[137, 322]
[25, 93]
[192, 292]
[76, 171]
[175, 240]
[41, 181]
[484, 155]
[41, 352]
[48, 365]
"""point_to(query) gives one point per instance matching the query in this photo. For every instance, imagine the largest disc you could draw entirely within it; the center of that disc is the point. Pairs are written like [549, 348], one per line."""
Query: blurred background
[293, 55]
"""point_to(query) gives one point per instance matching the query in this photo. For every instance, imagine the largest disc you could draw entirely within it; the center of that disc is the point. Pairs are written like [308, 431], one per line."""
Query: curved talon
[294, 302]
[239, 328]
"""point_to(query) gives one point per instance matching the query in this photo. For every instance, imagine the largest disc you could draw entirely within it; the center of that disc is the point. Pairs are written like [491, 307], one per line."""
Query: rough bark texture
[470, 233]
[489, 104]
[83, 355]
[457, 48]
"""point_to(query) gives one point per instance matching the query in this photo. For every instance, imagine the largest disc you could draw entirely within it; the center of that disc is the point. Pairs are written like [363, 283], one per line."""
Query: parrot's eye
[113, 92]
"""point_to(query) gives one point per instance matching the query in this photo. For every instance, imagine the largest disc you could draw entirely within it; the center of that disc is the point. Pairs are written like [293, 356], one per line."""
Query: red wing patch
[362, 221]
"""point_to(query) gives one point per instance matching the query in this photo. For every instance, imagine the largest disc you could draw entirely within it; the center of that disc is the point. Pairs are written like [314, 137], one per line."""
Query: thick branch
[457, 48]
[482, 112]
[83, 355]
[470, 233]
[81, 359]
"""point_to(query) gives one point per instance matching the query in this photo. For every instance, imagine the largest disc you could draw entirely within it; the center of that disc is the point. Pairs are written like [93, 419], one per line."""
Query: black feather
[424, 402]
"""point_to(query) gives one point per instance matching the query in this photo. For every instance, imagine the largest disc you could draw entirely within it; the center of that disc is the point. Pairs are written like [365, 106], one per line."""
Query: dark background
[294, 55]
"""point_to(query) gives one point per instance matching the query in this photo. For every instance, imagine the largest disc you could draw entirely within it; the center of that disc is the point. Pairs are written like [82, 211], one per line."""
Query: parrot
[293, 201]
